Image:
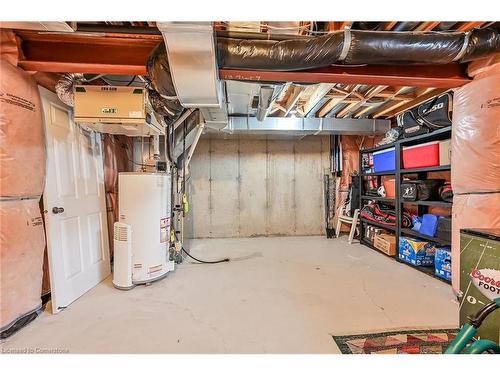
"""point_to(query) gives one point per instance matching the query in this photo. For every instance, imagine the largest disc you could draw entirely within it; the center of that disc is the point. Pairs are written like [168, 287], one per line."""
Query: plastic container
[421, 156]
[429, 225]
[385, 160]
[390, 188]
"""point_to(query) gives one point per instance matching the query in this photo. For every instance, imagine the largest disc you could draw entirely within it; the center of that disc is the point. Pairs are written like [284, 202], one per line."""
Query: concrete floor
[278, 295]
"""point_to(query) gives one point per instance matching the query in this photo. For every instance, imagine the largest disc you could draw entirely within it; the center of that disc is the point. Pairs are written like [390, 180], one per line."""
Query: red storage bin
[421, 156]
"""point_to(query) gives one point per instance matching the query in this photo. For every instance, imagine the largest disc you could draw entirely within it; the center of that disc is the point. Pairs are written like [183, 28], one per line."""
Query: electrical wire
[200, 260]
[139, 164]
[205, 261]
[132, 80]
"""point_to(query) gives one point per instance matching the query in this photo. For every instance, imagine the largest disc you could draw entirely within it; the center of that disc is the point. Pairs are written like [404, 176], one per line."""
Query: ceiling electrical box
[116, 110]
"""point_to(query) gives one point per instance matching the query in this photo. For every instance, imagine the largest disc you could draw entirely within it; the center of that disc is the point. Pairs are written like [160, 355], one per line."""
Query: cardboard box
[442, 262]
[416, 252]
[445, 152]
[385, 243]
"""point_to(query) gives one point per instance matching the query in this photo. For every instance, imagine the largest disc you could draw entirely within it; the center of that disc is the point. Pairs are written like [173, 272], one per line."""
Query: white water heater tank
[145, 205]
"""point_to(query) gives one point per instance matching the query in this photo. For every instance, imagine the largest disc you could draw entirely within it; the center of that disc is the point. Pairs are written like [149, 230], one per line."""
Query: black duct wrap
[358, 47]
[161, 82]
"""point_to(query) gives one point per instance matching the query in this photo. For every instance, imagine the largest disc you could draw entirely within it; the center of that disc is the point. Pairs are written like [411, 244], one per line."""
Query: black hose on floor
[205, 261]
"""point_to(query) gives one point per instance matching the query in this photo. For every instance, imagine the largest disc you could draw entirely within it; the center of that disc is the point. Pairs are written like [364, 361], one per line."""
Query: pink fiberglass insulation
[22, 243]
[475, 154]
[22, 140]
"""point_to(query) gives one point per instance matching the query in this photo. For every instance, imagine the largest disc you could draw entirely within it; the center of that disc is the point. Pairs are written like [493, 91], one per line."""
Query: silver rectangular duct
[307, 126]
[193, 64]
[266, 95]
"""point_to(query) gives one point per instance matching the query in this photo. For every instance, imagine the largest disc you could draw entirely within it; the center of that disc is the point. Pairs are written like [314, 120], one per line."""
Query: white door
[74, 201]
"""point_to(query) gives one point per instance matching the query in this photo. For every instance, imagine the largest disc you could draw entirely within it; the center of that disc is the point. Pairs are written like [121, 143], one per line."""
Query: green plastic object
[480, 346]
[463, 338]
[466, 335]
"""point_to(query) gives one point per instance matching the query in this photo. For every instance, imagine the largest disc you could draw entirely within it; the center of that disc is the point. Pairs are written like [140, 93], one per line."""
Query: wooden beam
[348, 108]
[64, 67]
[389, 25]
[431, 93]
[333, 102]
[397, 91]
[345, 112]
[466, 26]
[316, 96]
[390, 103]
[293, 97]
[427, 26]
[82, 53]
[441, 76]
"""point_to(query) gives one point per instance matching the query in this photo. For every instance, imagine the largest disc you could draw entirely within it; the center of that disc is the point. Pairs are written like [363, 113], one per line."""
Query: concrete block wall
[242, 187]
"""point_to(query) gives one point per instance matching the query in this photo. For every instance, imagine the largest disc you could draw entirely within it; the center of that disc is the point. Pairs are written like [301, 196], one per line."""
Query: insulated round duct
[163, 87]
[64, 87]
[358, 47]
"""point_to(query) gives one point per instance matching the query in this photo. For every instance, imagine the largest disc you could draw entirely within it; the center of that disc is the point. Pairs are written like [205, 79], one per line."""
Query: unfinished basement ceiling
[328, 100]
[133, 41]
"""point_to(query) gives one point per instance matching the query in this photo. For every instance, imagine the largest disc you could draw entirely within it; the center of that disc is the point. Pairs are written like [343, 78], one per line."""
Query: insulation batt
[471, 211]
[365, 47]
[22, 139]
[476, 136]
[22, 243]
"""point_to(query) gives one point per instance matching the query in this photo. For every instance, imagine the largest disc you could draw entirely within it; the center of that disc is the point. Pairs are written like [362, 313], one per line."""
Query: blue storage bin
[385, 160]
[429, 225]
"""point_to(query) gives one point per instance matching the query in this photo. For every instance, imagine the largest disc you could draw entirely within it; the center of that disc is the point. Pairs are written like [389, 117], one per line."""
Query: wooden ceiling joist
[389, 25]
[347, 110]
[427, 26]
[466, 26]
[333, 102]
[318, 94]
[292, 99]
[390, 104]
[428, 94]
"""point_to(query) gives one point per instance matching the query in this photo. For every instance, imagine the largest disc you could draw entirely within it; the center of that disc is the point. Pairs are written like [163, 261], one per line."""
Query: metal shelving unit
[399, 173]
[375, 224]
[380, 199]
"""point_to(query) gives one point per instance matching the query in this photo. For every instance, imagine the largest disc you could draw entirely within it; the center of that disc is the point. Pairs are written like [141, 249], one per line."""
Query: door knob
[57, 210]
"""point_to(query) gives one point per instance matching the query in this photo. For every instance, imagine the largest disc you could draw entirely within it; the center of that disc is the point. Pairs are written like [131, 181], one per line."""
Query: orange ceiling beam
[440, 76]
[77, 53]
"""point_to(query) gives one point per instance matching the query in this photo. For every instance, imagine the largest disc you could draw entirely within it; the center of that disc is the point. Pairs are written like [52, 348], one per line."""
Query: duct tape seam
[461, 53]
[347, 45]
